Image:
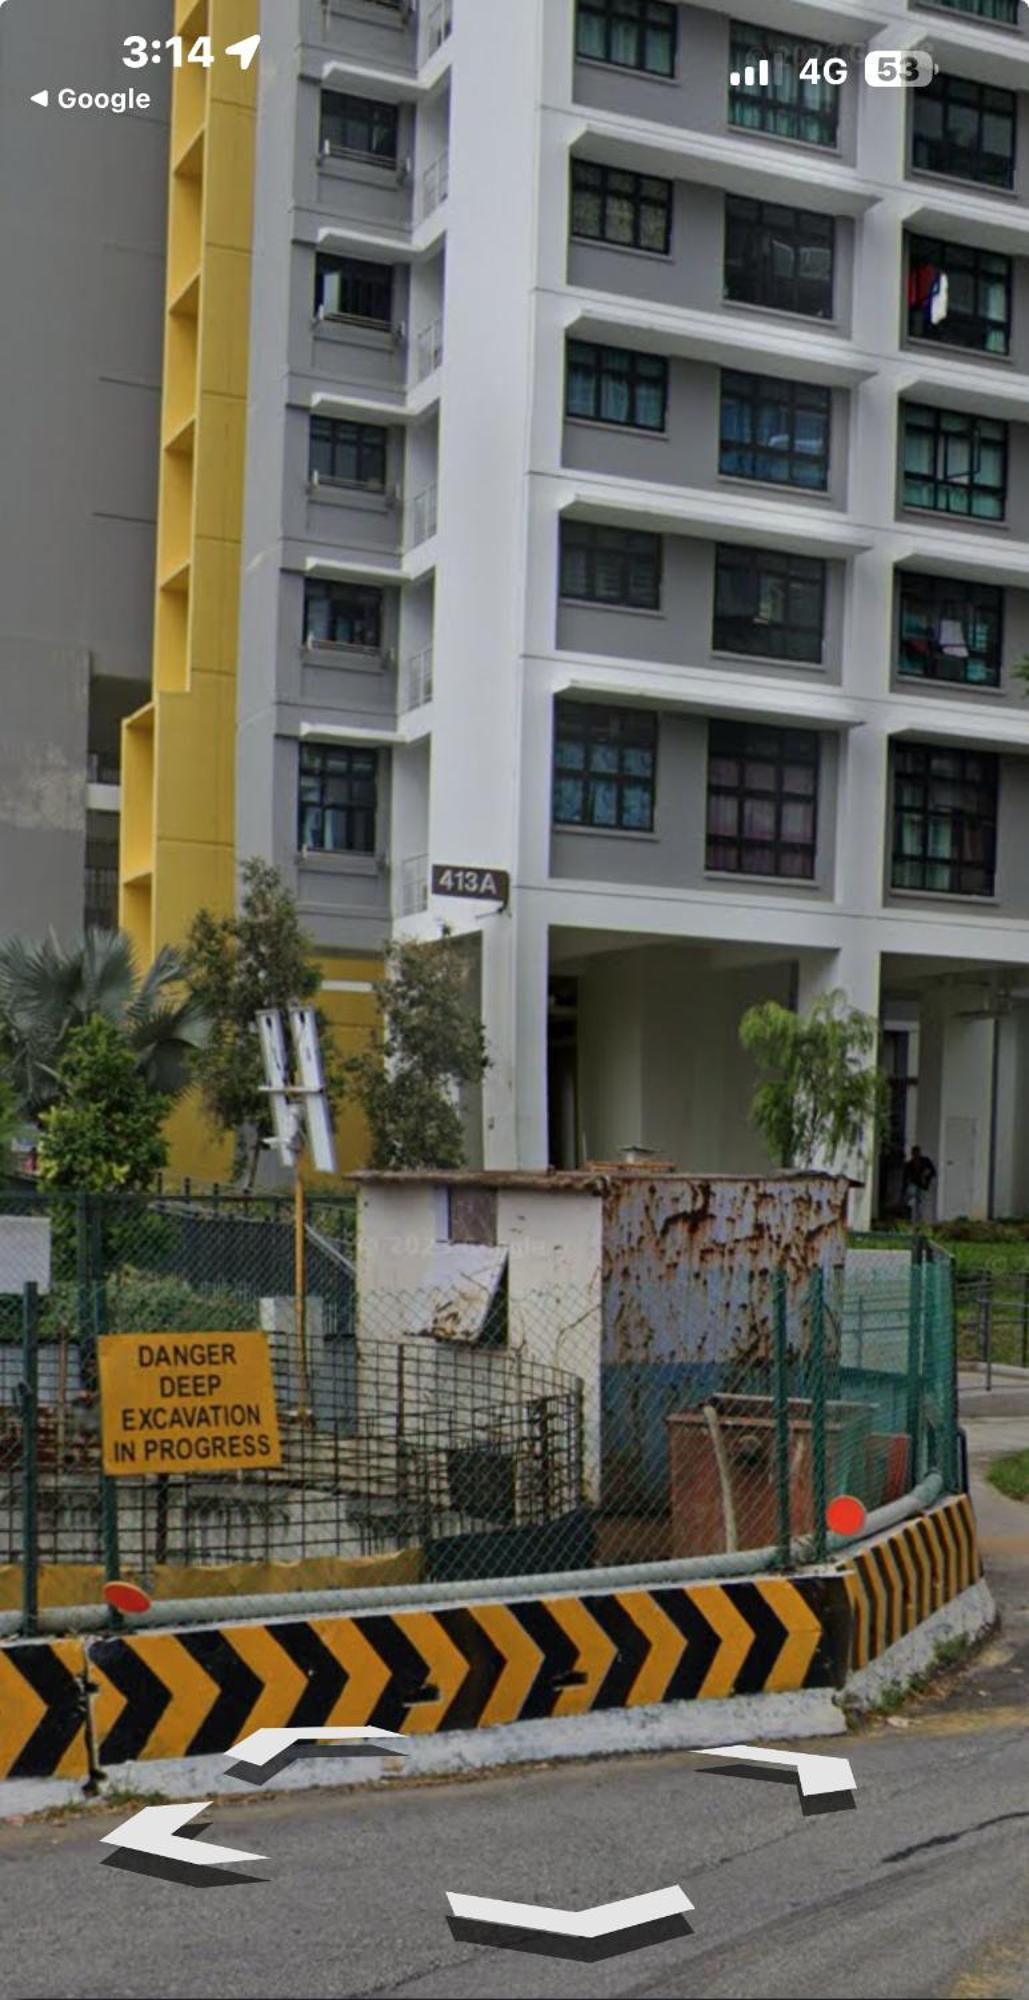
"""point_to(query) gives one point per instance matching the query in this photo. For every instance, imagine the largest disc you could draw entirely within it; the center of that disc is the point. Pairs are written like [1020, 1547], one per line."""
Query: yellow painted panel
[137, 793]
[231, 21]
[188, 875]
[226, 320]
[220, 453]
[135, 916]
[184, 233]
[194, 1148]
[171, 632]
[195, 763]
[228, 176]
[214, 600]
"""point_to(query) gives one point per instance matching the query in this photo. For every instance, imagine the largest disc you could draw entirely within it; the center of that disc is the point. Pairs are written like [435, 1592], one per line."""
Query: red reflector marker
[126, 1597]
[845, 1515]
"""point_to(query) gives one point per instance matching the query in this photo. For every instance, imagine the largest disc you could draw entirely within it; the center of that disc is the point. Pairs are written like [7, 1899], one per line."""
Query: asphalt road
[922, 1890]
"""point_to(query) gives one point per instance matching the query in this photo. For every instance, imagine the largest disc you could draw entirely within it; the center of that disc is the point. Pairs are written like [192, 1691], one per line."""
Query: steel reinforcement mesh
[487, 1434]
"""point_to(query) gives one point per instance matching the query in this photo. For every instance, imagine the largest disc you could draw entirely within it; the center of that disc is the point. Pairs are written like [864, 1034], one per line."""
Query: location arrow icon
[604, 1931]
[266, 1752]
[41, 97]
[819, 1778]
[151, 1840]
[246, 50]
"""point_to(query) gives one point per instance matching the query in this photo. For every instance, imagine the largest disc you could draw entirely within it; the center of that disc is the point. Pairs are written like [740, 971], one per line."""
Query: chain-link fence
[426, 1436]
[993, 1319]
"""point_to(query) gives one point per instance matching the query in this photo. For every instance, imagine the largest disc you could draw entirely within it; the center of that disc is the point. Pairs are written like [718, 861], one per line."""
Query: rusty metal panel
[688, 1261]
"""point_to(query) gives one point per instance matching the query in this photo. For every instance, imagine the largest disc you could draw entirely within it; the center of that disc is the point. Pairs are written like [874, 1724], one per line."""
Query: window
[611, 565]
[944, 820]
[959, 296]
[762, 800]
[778, 431]
[612, 385]
[338, 789]
[361, 126]
[964, 129]
[343, 614]
[609, 206]
[779, 257]
[633, 34]
[788, 107]
[950, 631]
[347, 288]
[604, 766]
[954, 463]
[768, 603]
[352, 454]
[1004, 11]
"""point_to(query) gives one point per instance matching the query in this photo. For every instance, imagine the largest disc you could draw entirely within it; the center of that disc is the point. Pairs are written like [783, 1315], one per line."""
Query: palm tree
[47, 989]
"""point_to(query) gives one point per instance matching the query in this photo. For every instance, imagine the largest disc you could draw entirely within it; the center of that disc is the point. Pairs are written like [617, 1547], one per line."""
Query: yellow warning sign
[187, 1402]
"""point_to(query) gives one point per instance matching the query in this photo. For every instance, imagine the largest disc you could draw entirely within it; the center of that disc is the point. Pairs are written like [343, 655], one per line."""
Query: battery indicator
[900, 69]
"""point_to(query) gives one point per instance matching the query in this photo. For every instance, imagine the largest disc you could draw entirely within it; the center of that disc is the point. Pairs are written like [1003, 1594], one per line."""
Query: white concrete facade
[651, 954]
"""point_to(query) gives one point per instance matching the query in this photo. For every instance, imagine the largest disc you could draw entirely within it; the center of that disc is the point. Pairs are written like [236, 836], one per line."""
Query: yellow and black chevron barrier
[186, 1693]
[902, 1577]
[43, 1710]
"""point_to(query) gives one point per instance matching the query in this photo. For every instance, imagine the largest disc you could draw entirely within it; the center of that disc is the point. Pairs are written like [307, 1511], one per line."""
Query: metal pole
[914, 1366]
[108, 1487]
[780, 1393]
[29, 1401]
[299, 1276]
[1025, 1319]
[819, 1470]
[988, 1330]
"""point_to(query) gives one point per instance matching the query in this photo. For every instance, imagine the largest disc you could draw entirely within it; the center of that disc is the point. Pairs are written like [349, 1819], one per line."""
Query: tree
[11, 1123]
[237, 966]
[431, 1042]
[821, 1088]
[103, 1130]
[48, 990]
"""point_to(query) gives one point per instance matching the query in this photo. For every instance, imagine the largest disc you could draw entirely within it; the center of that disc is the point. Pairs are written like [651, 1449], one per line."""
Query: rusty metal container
[722, 1470]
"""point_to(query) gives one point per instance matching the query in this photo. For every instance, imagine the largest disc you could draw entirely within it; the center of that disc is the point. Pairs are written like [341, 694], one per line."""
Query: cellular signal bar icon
[750, 76]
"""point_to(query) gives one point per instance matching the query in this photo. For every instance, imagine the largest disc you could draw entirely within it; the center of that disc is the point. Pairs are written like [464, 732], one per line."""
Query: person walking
[919, 1175]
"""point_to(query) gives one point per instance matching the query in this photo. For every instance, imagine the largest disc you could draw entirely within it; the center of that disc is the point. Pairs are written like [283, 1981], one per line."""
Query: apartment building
[82, 233]
[637, 501]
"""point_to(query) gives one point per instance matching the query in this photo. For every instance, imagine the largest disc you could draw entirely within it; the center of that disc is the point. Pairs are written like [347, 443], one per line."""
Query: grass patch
[1010, 1475]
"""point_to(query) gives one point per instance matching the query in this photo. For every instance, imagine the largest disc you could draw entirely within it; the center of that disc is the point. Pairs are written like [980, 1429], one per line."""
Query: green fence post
[87, 1355]
[914, 1367]
[108, 1486]
[944, 1321]
[780, 1396]
[819, 1469]
[28, 1398]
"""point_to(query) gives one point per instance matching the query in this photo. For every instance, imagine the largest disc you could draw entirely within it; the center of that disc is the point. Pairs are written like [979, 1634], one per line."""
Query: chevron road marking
[603, 1920]
[266, 1751]
[153, 1831]
[818, 1777]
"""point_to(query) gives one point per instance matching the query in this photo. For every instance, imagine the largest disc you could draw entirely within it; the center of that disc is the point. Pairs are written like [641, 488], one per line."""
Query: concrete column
[514, 1007]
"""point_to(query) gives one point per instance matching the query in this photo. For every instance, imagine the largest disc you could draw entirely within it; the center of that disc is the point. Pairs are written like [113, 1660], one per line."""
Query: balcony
[436, 22]
[414, 885]
[435, 186]
[416, 681]
[429, 350]
[420, 518]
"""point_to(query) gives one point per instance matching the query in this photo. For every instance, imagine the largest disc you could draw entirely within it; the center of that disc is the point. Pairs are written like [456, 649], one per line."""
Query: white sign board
[24, 1253]
[312, 1077]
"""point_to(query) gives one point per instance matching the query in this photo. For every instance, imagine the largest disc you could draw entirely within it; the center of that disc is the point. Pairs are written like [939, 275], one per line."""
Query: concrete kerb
[967, 1617]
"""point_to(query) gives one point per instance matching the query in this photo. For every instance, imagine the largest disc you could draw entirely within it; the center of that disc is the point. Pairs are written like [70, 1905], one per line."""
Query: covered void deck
[643, 1050]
